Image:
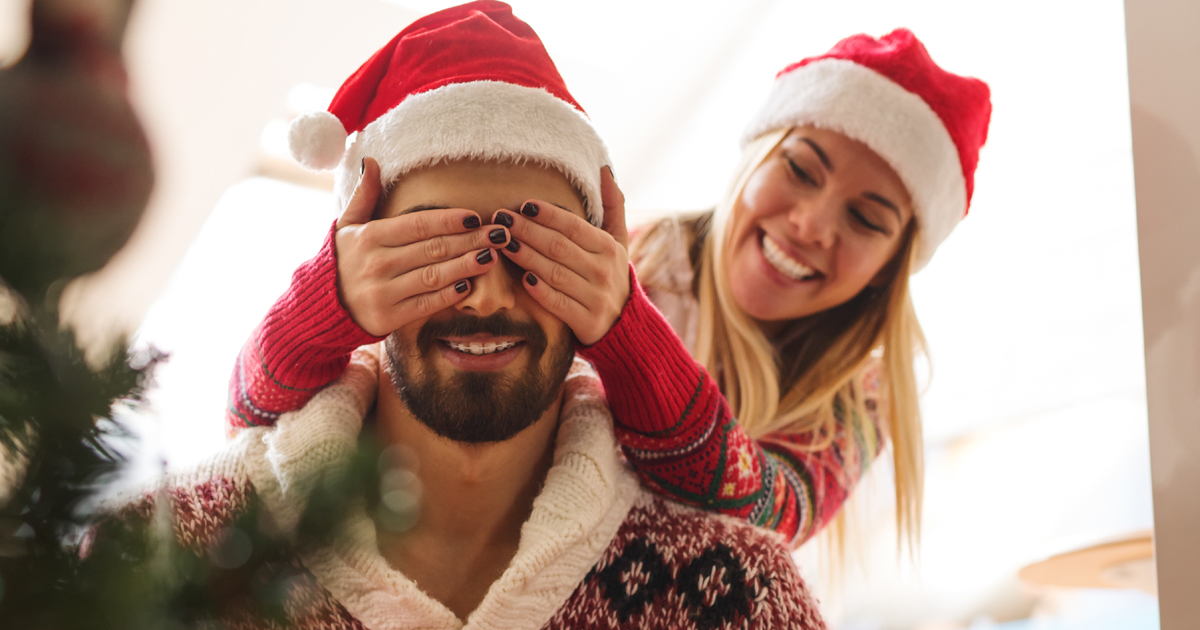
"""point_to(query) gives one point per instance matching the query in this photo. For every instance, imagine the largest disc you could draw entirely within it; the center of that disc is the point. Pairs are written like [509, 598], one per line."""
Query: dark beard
[477, 407]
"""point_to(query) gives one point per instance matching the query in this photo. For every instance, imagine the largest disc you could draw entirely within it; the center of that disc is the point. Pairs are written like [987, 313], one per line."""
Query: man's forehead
[481, 186]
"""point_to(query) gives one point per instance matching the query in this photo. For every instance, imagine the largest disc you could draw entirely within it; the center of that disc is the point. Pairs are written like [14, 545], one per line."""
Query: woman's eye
[862, 219]
[801, 173]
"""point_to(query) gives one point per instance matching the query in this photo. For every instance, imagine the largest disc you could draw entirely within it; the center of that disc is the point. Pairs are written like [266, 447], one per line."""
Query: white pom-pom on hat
[317, 140]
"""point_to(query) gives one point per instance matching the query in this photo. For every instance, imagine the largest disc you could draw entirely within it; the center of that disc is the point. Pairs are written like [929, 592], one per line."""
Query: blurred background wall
[1164, 91]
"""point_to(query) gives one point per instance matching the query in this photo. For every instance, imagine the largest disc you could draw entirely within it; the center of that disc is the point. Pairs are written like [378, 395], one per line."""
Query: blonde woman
[792, 295]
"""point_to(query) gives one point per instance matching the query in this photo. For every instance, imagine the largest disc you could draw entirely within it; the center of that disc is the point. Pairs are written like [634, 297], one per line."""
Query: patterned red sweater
[672, 420]
[597, 550]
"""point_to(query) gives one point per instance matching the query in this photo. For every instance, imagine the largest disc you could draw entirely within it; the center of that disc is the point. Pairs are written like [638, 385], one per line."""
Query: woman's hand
[396, 270]
[575, 270]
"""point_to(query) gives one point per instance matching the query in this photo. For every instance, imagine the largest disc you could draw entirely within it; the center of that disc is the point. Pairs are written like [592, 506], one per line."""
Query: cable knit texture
[597, 550]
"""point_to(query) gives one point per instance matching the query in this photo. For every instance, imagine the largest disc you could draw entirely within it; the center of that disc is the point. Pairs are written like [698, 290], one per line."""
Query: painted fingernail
[504, 218]
[496, 236]
[471, 222]
[362, 167]
[462, 286]
[484, 257]
[530, 209]
[531, 279]
[513, 246]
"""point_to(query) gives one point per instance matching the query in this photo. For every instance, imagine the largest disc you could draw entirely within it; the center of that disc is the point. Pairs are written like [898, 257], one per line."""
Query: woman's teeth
[481, 348]
[785, 264]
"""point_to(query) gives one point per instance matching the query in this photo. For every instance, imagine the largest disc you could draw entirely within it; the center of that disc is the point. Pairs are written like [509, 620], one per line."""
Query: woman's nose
[814, 221]
[492, 292]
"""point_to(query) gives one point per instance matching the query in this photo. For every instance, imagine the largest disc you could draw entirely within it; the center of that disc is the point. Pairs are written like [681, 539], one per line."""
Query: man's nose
[814, 221]
[492, 292]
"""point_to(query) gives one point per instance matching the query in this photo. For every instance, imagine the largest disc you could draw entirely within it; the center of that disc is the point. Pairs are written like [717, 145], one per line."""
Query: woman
[793, 295]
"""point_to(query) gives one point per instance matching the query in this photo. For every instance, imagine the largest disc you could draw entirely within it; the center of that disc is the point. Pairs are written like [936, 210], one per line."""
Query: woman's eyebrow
[820, 153]
[883, 201]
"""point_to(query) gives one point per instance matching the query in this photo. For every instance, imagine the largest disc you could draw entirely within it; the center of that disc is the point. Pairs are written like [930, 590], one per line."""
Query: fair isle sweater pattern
[597, 550]
[672, 420]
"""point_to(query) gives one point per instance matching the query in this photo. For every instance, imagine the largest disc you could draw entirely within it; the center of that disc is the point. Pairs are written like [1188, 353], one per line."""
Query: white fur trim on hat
[317, 140]
[900, 126]
[484, 120]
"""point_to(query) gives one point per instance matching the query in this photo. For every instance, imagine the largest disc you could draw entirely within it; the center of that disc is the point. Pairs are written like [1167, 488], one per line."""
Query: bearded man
[526, 515]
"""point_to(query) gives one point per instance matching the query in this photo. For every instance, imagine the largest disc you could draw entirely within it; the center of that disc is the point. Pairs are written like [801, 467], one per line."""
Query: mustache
[500, 325]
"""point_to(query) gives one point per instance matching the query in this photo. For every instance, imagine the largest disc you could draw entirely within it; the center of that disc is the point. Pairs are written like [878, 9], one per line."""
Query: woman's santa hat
[468, 82]
[887, 93]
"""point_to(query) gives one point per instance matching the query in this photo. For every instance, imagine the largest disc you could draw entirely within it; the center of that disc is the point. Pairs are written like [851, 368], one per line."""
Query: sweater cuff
[644, 365]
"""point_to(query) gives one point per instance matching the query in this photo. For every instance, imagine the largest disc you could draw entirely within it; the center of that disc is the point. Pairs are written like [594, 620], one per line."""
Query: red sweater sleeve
[302, 345]
[678, 433]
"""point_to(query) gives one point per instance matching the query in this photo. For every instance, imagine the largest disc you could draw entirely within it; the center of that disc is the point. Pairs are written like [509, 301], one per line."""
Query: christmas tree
[75, 177]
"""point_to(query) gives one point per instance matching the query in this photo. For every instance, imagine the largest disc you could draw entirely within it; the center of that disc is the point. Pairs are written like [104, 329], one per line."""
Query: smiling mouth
[784, 264]
[478, 348]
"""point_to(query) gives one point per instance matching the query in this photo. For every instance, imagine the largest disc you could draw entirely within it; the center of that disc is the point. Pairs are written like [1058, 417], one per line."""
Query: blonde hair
[810, 377]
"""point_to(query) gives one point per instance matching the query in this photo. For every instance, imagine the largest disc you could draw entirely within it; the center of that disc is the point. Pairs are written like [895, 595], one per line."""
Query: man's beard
[477, 407]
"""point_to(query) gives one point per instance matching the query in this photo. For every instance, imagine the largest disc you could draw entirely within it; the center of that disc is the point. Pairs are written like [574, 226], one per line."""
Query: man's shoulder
[202, 500]
[673, 566]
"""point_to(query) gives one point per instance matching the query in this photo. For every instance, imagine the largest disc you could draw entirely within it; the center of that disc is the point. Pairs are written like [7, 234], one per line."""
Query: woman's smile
[778, 258]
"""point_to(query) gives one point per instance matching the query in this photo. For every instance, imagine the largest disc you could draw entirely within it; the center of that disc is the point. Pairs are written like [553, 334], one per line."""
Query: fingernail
[496, 236]
[530, 209]
[362, 167]
[612, 174]
[504, 218]
[471, 222]
[513, 246]
[531, 279]
[462, 286]
[484, 257]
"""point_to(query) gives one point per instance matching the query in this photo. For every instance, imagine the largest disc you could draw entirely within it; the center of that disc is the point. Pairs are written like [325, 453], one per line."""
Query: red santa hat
[468, 82]
[887, 93]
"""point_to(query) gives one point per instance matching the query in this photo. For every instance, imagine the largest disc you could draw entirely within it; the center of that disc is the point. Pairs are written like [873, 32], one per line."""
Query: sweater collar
[584, 500]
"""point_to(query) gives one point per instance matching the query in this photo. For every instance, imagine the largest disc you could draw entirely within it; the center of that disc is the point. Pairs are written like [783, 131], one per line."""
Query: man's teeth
[481, 348]
[784, 263]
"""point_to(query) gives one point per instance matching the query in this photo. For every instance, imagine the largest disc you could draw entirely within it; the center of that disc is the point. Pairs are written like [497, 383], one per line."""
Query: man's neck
[474, 499]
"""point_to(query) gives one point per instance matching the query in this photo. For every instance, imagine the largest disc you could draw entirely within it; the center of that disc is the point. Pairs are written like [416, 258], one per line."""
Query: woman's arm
[678, 433]
[302, 345]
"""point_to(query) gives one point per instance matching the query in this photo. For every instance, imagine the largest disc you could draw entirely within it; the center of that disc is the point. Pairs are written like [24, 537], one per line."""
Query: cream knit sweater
[597, 549]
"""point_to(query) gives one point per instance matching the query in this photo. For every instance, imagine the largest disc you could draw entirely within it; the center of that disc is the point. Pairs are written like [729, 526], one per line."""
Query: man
[526, 516]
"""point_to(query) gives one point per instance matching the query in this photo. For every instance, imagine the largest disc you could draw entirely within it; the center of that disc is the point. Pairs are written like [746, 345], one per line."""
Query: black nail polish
[513, 246]
[462, 286]
[496, 236]
[530, 209]
[504, 218]
[471, 222]
[484, 257]
[362, 167]
[531, 279]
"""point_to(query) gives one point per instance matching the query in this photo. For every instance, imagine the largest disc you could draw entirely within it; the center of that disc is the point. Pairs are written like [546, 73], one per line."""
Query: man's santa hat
[468, 82]
[887, 93]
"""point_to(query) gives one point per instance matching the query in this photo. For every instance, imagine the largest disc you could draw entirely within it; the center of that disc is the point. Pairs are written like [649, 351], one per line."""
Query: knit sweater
[672, 420]
[596, 551]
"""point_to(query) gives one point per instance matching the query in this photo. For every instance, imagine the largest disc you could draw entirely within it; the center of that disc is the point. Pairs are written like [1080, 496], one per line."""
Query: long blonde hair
[796, 384]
